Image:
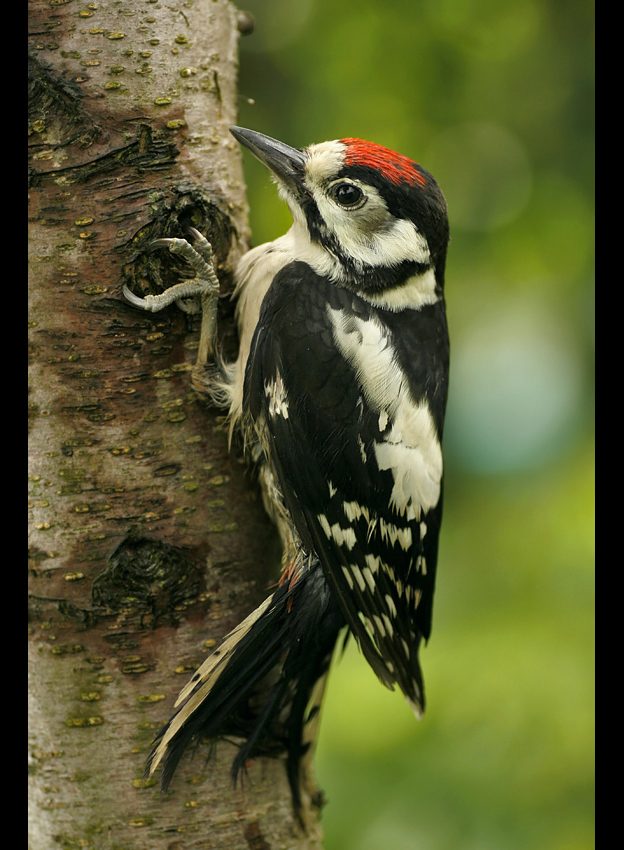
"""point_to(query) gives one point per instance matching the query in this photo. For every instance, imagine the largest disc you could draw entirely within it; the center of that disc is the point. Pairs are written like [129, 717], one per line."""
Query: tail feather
[263, 685]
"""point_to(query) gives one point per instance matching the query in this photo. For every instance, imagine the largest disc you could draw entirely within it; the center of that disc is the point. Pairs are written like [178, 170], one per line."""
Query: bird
[339, 392]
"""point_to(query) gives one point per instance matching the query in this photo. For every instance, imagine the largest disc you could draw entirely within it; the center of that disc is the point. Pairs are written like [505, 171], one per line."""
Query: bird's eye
[348, 195]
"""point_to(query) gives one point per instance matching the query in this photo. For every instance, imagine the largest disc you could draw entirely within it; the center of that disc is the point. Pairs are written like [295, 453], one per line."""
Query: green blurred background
[496, 100]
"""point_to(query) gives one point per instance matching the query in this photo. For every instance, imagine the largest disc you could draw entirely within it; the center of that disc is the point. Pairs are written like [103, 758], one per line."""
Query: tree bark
[147, 540]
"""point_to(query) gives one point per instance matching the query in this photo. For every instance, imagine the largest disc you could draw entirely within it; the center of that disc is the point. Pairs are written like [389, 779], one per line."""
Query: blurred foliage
[496, 100]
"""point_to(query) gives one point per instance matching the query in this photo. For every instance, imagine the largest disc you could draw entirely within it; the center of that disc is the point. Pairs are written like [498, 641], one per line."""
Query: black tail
[263, 685]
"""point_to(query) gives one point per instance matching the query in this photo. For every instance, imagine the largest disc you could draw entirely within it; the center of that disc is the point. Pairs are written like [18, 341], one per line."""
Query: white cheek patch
[370, 235]
[410, 449]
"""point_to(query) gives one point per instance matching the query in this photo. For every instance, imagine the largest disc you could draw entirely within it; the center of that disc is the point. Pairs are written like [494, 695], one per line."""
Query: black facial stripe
[358, 277]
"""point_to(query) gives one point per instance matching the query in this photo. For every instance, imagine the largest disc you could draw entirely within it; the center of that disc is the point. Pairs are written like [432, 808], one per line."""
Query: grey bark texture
[147, 541]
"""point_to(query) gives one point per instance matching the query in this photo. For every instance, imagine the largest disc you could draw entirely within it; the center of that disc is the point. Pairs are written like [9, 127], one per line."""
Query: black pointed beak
[285, 162]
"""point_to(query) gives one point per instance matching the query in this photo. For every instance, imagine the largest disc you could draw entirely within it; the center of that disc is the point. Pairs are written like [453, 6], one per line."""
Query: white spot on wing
[389, 572]
[369, 578]
[341, 536]
[278, 400]
[353, 511]
[344, 536]
[358, 576]
[394, 534]
[324, 524]
[373, 562]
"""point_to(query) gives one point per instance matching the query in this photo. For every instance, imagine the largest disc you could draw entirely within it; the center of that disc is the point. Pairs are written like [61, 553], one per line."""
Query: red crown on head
[394, 166]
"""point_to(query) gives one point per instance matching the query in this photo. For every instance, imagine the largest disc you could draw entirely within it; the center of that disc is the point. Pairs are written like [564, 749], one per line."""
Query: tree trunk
[147, 541]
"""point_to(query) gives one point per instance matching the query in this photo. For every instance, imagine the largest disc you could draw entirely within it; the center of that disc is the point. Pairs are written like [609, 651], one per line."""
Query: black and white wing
[349, 401]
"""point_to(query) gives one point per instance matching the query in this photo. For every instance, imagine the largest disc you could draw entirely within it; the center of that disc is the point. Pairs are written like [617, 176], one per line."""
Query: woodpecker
[339, 391]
